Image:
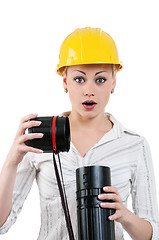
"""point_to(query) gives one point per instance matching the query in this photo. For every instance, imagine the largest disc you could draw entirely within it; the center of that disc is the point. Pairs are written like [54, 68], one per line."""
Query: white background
[31, 33]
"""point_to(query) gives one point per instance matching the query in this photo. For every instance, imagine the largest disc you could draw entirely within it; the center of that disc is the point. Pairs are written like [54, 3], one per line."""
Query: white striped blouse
[129, 158]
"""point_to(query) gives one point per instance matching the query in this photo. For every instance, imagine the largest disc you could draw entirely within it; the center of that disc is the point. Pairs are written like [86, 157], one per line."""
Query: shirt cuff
[8, 223]
[155, 229]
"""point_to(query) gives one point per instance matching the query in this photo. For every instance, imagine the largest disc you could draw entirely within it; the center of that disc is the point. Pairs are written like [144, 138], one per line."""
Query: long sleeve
[143, 190]
[24, 180]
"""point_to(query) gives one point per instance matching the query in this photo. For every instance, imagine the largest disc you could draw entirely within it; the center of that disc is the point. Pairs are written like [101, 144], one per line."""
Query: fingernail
[100, 196]
[41, 151]
[38, 122]
[40, 134]
[105, 188]
[102, 204]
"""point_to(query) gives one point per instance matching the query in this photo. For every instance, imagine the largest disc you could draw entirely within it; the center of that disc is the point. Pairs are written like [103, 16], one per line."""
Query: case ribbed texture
[93, 223]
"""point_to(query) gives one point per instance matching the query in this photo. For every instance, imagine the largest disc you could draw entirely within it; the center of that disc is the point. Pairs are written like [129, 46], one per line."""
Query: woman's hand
[112, 194]
[136, 227]
[19, 147]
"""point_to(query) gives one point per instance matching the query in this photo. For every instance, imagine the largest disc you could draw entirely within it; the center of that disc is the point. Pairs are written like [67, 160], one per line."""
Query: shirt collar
[118, 127]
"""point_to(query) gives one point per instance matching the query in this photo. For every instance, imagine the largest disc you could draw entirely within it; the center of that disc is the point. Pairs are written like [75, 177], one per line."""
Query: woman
[88, 63]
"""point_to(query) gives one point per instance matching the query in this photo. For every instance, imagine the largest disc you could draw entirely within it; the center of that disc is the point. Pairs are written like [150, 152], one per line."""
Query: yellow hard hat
[88, 46]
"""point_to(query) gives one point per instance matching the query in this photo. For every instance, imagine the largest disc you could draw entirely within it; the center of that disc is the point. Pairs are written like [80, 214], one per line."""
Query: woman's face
[89, 87]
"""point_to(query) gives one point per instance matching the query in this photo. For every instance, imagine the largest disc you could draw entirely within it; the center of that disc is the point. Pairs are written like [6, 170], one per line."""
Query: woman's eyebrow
[79, 71]
[85, 73]
[99, 72]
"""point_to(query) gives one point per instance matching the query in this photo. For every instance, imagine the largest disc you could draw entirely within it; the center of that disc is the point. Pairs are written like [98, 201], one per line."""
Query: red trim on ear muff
[53, 135]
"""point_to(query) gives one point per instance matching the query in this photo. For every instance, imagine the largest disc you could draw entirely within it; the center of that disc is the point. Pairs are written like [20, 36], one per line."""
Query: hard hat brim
[60, 70]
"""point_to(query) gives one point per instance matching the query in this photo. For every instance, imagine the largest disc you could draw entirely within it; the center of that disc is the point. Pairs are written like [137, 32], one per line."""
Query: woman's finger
[30, 136]
[28, 117]
[111, 189]
[27, 124]
[30, 124]
[112, 205]
[115, 216]
[25, 149]
[108, 196]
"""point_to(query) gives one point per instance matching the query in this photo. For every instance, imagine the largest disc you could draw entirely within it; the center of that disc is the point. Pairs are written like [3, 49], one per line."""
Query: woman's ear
[114, 80]
[65, 81]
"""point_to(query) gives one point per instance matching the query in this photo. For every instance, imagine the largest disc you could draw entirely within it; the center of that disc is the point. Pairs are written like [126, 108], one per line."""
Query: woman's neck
[97, 123]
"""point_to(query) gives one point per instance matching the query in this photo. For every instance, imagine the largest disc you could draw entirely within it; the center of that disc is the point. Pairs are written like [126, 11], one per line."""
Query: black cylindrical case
[62, 134]
[93, 223]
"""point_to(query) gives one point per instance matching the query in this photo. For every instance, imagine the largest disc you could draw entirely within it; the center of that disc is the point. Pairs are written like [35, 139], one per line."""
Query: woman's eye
[100, 80]
[79, 79]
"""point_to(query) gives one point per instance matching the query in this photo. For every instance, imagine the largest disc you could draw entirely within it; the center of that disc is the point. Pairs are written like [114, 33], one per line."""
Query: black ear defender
[56, 132]
[93, 222]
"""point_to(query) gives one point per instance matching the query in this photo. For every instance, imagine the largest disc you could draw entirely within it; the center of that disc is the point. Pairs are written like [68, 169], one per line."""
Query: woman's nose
[89, 94]
[88, 91]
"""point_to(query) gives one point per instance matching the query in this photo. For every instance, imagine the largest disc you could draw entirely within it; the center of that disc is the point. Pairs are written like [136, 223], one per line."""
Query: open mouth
[89, 105]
